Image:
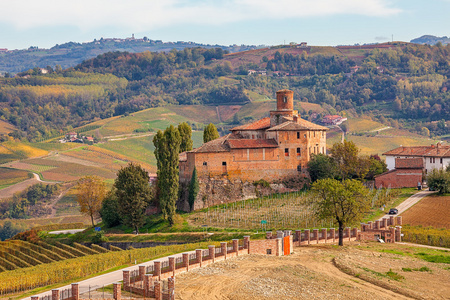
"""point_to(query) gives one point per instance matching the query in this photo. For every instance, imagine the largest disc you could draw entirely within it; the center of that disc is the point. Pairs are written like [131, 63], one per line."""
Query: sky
[44, 23]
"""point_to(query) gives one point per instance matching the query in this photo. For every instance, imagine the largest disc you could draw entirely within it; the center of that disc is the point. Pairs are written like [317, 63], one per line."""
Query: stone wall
[214, 191]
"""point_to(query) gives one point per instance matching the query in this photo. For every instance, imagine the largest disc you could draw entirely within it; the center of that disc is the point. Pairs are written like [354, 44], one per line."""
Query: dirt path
[307, 274]
[18, 187]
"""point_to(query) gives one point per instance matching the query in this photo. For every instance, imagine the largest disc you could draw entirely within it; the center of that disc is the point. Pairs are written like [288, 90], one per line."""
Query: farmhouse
[407, 165]
[273, 149]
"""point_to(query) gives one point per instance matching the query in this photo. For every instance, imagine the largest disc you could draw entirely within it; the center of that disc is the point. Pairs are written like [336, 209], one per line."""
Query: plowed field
[433, 211]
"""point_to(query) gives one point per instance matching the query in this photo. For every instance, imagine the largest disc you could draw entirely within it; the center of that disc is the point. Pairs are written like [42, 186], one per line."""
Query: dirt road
[18, 187]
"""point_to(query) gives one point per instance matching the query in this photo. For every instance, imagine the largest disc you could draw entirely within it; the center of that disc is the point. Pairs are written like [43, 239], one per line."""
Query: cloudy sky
[44, 23]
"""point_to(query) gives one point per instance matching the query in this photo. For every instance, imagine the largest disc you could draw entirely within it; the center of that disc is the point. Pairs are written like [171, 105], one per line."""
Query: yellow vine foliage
[20, 280]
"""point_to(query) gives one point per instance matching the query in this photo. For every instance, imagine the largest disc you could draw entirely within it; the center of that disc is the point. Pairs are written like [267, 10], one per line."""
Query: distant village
[73, 137]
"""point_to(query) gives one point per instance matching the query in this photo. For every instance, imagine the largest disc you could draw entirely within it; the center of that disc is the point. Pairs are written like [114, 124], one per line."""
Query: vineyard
[12, 176]
[26, 265]
[439, 237]
[278, 211]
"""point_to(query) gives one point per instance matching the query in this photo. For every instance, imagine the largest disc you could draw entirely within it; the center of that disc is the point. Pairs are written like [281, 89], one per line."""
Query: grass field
[12, 176]
[433, 210]
[363, 125]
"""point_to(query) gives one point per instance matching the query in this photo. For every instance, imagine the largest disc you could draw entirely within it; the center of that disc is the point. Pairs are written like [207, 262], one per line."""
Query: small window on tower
[286, 151]
[285, 99]
[224, 163]
[299, 152]
[304, 135]
[298, 135]
[205, 163]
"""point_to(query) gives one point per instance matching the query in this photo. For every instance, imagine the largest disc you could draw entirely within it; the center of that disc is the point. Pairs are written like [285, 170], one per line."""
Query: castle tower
[285, 107]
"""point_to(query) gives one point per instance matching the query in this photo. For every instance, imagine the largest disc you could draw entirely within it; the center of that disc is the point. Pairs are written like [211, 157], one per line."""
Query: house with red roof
[409, 165]
[273, 149]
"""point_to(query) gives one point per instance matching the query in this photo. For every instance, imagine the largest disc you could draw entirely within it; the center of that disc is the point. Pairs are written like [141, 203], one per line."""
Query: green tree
[321, 166]
[91, 192]
[344, 202]
[109, 211]
[186, 137]
[133, 194]
[346, 157]
[439, 180]
[167, 145]
[193, 189]
[377, 166]
[210, 133]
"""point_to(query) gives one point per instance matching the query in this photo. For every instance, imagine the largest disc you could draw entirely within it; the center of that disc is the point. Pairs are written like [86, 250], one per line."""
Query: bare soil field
[316, 272]
[433, 211]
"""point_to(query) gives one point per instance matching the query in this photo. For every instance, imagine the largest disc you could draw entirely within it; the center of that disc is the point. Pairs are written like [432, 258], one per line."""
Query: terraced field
[12, 176]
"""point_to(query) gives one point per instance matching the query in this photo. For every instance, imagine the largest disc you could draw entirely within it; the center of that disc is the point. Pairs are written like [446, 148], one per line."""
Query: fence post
[392, 230]
[268, 235]
[391, 221]
[377, 224]
[158, 295]
[34, 297]
[157, 269]
[398, 233]
[212, 252]
[147, 284]
[172, 265]
[383, 223]
[246, 241]
[171, 288]
[333, 234]
[324, 235]
[298, 236]
[355, 232]
[279, 251]
[316, 235]
[126, 279]
[198, 256]
[236, 246]
[75, 291]
[347, 232]
[186, 261]
[223, 246]
[117, 292]
[370, 223]
[141, 272]
[55, 294]
[308, 236]
[399, 220]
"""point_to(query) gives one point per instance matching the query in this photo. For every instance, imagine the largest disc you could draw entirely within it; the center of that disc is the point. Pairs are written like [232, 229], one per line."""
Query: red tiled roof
[409, 163]
[423, 151]
[217, 145]
[247, 143]
[300, 125]
[182, 156]
[258, 125]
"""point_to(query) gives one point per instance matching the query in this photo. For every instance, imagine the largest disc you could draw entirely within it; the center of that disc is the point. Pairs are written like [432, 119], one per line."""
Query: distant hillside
[400, 84]
[70, 54]
[431, 40]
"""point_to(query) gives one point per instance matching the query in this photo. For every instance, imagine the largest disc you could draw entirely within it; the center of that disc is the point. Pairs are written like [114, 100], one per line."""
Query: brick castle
[273, 149]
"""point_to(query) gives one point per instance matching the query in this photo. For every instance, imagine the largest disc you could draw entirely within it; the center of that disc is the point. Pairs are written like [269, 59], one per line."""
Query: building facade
[273, 148]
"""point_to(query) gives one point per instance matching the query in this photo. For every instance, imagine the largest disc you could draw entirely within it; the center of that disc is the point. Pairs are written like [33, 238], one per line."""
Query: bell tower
[285, 107]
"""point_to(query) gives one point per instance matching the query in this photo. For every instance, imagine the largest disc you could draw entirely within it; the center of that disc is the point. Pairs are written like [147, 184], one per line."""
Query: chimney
[295, 118]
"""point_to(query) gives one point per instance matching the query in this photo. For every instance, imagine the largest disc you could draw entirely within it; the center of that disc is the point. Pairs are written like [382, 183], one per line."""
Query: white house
[434, 156]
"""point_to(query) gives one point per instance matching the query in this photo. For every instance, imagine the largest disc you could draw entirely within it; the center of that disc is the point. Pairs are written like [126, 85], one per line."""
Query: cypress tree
[167, 148]
[193, 189]
[186, 137]
[210, 133]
